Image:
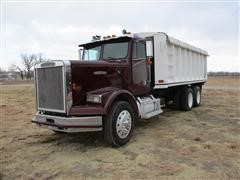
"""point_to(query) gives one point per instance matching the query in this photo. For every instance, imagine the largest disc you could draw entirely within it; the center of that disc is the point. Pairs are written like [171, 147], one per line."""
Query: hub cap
[124, 124]
[190, 100]
[198, 97]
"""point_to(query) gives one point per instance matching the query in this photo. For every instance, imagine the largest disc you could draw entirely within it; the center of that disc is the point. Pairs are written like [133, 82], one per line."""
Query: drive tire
[197, 96]
[119, 113]
[177, 99]
[187, 99]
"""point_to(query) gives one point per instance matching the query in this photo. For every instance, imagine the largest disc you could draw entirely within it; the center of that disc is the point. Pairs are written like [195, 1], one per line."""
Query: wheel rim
[190, 100]
[124, 124]
[198, 97]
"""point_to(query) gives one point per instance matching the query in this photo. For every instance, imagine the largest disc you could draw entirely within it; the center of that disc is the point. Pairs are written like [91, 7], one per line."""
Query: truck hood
[93, 75]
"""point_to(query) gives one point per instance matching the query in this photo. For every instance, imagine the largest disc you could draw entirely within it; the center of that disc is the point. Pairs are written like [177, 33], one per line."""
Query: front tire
[119, 124]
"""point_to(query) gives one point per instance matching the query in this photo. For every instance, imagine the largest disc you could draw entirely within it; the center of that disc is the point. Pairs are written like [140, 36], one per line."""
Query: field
[201, 144]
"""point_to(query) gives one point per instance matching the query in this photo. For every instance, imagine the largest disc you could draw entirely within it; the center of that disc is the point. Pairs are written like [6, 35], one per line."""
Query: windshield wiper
[109, 57]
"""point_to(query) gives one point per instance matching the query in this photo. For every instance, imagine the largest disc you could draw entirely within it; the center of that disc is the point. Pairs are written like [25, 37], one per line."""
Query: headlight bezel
[94, 98]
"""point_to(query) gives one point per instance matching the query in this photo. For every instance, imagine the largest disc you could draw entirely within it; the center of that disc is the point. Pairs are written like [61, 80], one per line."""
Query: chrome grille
[50, 83]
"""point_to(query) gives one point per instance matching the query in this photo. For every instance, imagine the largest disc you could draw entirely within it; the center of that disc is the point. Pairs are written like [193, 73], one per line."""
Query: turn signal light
[74, 86]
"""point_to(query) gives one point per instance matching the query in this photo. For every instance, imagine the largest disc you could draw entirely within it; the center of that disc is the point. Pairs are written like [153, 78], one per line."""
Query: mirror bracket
[80, 53]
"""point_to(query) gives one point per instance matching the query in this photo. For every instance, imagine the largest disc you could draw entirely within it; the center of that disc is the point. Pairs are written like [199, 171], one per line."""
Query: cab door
[141, 70]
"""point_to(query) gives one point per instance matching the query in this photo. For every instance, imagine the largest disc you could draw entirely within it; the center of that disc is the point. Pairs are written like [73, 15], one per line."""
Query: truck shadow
[78, 140]
[95, 139]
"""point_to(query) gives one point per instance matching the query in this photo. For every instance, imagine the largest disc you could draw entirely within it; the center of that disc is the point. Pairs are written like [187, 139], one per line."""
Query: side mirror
[149, 48]
[80, 54]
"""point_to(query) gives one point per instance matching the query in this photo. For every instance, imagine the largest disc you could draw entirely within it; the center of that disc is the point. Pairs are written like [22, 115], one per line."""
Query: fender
[120, 94]
[109, 96]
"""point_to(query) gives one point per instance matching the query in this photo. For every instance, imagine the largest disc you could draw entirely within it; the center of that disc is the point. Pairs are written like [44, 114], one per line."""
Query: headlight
[94, 98]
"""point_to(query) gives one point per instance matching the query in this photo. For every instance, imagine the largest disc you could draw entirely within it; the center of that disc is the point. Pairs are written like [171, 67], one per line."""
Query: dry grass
[203, 143]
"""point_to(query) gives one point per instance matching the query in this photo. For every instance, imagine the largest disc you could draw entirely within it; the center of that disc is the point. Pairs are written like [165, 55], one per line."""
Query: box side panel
[176, 65]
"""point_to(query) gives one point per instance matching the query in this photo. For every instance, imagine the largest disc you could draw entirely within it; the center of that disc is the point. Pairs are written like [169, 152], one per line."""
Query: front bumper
[69, 124]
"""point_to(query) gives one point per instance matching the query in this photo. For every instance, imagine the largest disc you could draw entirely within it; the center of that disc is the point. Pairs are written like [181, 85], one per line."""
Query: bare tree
[19, 70]
[28, 62]
[40, 58]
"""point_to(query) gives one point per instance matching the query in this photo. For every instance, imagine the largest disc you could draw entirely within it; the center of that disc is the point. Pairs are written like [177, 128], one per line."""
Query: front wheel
[119, 124]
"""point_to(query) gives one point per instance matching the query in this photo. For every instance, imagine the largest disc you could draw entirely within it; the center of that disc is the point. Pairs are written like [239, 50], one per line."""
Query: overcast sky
[56, 29]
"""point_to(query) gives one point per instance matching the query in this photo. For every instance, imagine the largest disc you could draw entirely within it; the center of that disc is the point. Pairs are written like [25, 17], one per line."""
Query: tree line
[25, 69]
[223, 73]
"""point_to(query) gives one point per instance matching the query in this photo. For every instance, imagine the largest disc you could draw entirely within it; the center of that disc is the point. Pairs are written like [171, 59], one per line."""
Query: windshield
[92, 53]
[110, 51]
[115, 50]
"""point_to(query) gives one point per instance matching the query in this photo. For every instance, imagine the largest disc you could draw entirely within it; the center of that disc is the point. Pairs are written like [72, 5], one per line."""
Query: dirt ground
[201, 144]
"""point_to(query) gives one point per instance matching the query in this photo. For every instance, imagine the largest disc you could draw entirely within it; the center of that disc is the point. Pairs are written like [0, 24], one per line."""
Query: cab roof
[110, 40]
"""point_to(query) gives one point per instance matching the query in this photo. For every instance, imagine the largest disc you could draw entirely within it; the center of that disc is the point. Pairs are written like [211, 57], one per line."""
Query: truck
[118, 81]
